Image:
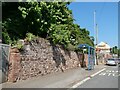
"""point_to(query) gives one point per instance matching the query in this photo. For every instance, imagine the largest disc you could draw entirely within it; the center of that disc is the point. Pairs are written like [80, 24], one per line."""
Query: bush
[19, 46]
[6, 38]
[30, 37]
[71, 47]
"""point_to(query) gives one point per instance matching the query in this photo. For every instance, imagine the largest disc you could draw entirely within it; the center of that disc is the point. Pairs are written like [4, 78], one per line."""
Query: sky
[106, 18]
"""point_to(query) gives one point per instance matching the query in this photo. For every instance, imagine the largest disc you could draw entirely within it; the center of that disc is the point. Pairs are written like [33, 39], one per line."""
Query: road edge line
[86, 79]
[97, 72]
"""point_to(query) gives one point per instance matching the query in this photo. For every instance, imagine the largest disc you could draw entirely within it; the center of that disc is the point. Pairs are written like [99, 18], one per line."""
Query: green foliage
[51, 20]
[115, 50]
[19, 46]
[83, 37]
[92, 38]
[30, 37]
[119, 53]
[60, 34]
[6, 38]
[71, 47]
[34, 17]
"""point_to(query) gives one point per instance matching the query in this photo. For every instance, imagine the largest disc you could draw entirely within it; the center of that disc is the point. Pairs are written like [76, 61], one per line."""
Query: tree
[33, 17]
[114, 50]
[50, 20]
[119, 53]
[92, 38]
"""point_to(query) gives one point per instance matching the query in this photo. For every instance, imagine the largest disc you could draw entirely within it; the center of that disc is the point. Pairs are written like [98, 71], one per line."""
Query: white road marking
[112, 71]
[97, 72]
[86, 79]
[109, 74]
[113, 74]
[75, 86]
[116, 71]
[107, 70]
[102, 74]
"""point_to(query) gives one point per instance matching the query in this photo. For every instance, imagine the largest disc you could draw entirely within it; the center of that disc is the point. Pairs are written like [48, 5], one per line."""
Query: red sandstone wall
[40, 58]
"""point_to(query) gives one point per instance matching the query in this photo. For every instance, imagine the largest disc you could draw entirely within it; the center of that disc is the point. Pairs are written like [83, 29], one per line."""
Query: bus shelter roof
[85, 46]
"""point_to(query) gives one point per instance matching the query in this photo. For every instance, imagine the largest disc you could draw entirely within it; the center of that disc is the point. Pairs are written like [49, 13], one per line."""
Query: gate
[4, 59]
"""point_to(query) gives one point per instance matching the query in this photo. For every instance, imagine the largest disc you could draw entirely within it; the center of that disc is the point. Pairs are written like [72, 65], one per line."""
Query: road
[105, 79]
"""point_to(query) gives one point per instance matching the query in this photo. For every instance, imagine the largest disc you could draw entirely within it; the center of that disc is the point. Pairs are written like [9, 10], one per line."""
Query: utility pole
[94, 25]
[97, 43]
[95, 35]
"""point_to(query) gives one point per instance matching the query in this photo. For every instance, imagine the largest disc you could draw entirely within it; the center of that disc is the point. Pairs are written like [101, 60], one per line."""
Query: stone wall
[14, 64]
[40, 57]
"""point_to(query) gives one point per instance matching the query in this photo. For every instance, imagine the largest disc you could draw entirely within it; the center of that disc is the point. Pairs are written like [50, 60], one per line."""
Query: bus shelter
[91, 55]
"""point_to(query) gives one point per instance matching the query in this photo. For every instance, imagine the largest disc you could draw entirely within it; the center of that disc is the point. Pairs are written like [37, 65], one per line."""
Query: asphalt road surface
[106, 79]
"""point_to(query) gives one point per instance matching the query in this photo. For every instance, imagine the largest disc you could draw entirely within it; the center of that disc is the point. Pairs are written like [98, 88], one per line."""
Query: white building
[103, 47]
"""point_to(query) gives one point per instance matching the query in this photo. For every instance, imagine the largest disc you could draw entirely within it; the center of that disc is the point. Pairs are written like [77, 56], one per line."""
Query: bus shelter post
[89, 66]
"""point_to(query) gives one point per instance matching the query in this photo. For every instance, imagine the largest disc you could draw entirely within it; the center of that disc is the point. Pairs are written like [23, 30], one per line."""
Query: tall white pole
[95, 26]
[95, 34]
[97, 43]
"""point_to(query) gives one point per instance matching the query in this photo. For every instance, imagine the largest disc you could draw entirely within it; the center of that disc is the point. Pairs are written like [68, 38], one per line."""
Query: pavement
[56, 80]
